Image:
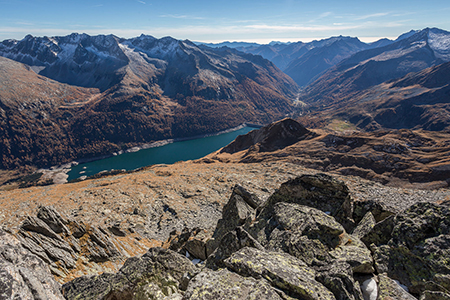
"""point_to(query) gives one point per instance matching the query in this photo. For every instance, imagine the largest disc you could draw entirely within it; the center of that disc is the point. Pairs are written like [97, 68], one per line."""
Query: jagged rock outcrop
[224, 284]
[275, 136]
[159, 274]
[24, 275]
[321, 191]
[241, 206]
[281, 270]
[295, 245]
[62, 243]
[418, 240]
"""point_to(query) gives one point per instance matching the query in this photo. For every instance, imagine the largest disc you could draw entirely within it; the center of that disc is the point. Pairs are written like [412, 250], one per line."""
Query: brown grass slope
[419, 100]
[397, 157]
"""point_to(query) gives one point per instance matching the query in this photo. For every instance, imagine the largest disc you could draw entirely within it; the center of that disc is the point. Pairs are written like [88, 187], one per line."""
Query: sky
[218, 20]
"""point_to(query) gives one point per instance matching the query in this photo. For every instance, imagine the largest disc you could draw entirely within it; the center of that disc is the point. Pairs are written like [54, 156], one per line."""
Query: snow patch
[369, 289]
[68, 51]
[440, 43]
[98, 52]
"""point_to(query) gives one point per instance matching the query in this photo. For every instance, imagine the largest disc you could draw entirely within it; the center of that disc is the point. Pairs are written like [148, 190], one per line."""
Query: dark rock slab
[389, 289]
[338, 278]
[240, 207]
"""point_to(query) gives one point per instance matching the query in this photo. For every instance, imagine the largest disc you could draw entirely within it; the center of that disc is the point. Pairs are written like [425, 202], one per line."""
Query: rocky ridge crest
[309, 240]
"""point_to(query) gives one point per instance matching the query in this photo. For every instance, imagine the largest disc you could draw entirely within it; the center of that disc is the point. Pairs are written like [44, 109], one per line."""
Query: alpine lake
[169, 153]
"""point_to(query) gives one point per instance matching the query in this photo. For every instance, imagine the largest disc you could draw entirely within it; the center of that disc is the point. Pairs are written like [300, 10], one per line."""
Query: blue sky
[217, 20]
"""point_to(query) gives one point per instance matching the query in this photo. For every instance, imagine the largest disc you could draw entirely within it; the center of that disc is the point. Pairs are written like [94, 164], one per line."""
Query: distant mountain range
[402, 85]
[94, 95]
[304, 61]
[146, 89]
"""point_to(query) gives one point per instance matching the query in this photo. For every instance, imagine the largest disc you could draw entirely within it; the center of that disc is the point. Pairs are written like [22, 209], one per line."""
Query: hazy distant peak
[273, 43]
[407, 35]
[229, 44]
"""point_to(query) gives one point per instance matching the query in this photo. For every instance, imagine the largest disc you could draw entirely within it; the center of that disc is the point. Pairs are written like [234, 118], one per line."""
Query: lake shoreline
[59, 174]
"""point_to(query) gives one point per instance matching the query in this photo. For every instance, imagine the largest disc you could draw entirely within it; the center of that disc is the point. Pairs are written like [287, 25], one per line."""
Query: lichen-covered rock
[420, 222]
[338, 278]
[418, 249]
[364, 226]
[319, 191]
[443, 280]
[283, 271]
[230, 243]
[389, 289]
[249, 198]
[435, 295]
[379, 210]
[240, 207]
[401, 264]
[304, 232]
[380, 233]
[156, 275]
[196, 245]
[194, 241]
[23, 275]
[226, 285]
[355, 253]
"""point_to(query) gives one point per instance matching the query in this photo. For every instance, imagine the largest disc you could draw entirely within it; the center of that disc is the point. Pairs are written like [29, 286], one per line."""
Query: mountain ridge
[374, 66]
[148, 89]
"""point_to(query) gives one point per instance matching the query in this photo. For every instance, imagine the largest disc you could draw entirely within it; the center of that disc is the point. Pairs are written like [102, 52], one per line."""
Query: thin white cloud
[287, 28]
[376, 15]
[322, 16]
[249, 32]
[181, 17]
[142, 2]
[25, 23]
[325, 14]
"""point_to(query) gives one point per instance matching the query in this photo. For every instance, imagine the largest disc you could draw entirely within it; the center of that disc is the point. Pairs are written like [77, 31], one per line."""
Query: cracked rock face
[23, 275]
[62, 243]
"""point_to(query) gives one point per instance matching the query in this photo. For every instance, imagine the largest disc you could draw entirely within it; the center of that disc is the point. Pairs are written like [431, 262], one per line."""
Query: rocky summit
[311, 239]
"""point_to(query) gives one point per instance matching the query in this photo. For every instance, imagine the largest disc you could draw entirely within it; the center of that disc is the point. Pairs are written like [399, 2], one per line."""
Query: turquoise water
[167, 154]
